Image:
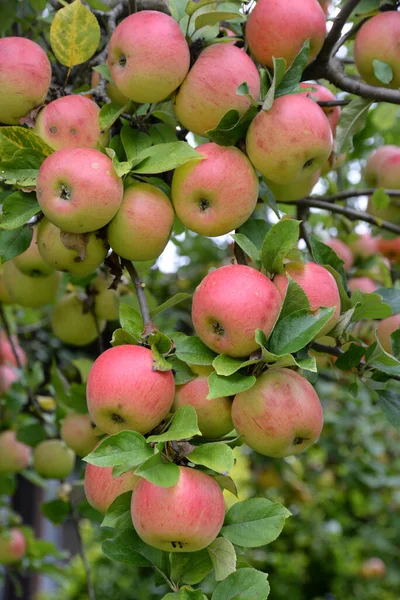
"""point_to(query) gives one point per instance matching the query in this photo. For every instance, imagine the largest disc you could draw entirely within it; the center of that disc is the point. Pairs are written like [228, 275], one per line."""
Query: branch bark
[139, 287]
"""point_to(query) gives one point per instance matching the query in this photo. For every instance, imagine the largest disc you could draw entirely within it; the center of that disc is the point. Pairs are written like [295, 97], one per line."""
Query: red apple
[52, 459]
[8, 376]
[343, 252]
[363, 284]
[77, 431]
[390, 248]
[385, 329]
[364, 246]
[101, 488]
[373, 168]
[12, 546]
[14, 455]
[319, 93]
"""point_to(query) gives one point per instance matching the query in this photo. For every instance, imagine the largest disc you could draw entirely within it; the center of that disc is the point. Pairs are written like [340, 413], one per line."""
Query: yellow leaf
[20, 138]
[46, 402]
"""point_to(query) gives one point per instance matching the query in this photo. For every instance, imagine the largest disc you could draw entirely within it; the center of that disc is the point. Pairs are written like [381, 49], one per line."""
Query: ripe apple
[106, 304]
[52, 459]
[185, 517]
[210, 89]
[301, 22]
[373, 168]
[319, 93]
[85, 251]
[291, 141]
[343, 251]
[29, 291]
[123, 391]
[364, 246]
[387, 166]
[101, 488]
[148, 56]
[293, 191]
[14, 455]
[214, 416]
[78, 189]
[373, 568]
[390, 248]
[77, 431]
[363, 284]
[319, 286]
[12, 546]
[378, 39]
[25, 75]
[111, 90]
[6, 352]
[30, 262]
[230, 304]
[280, 415]
[141, 228]
[71, 324]
[215, 195]
[385, 329]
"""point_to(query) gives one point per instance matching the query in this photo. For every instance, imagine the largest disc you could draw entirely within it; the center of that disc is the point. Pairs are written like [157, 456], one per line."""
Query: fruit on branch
[29, 291]
[302, 21]
[210, 89]
[390, 248]
[75, 253]
[373, 568]
[385, 329]
[101, 488]
[30, 262]
[217, 194]
[291, 141]
[25, 75]
[106, 304]
[123, 391]
[280, 415]
[318, 284]
[293, 191]
[378, 40]
[52, 459]
[12, 546]
[78, 189]
[230, 304]
[111, 89]
[73, 322]
[6, 352]
[320, 93]
[77, 431]
[343, 251]
[148, 56]
[185, 517]
[364, 246]
[362, 284]
[214, 416]
[14, 455]
[70, 122]
[8, 376]
[141, 228]
[373, 167]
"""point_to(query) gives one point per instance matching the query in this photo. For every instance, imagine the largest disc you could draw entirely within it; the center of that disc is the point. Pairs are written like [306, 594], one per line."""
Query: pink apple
[373, 168]
[363, 284]
[364, 246]
[386, 165]
[385, 329]
[101, 488]
[14, 455]
[12, 546]
[343, 252]
[52, 459]
[8, 376]
[373, 568]
[319, 93]
[30, 262]
[77, 431]
[73, 323]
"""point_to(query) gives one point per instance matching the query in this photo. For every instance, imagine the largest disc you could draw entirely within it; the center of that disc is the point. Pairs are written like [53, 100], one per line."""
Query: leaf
[279, 72]
[109, 113]
[390, 296]
[351, 121]
[14, 242]
[284, 360]
[211, 18]
[31, 433]
[390, 404]
[177, 299]
[369, 306]
[382, 71]
[232, 127]
[294, 332]
[243, 584]
[185, 594]
[190, 567]
[182, 372]
[127, 547]
[74, 34]
[255, 230]
[17, 209]
[292, 77]
[226, 483]
[161, 133]
[295, 299]
[191, 350]
[16, 138]
[165, 157]
[220, 386]
[22, 169]
[158, 472]
[216, 456]
[104, 72]
[226, 365]
[160, 363]
[118, 514]
[279, 240]
[55, 510]
[324, 255]
[247, 246]
[126, 449]
[121, 337]
[177, 9]
[351, 358]
[380, 199]
[223, 557]
[194, 5]
[183, 426]
[134, 142]
[131, 321]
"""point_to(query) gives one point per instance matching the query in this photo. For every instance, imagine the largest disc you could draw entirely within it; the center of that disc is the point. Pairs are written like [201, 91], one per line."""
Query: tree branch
[82, 553]
[139, 287]
[346, 194]
[333, 36]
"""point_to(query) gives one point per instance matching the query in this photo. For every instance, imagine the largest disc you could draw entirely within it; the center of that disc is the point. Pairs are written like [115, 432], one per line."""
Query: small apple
[373, 568]
[343, 251]
[363, 284]
[385, 329]
[30, 262]
[101, 488]
[77, 431]
[12, 546]
[106, 304]
[29, 291]
[14, 455]
[52, 459]
[72, 323]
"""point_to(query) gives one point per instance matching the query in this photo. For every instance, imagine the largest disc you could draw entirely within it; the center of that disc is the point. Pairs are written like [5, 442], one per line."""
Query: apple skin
[5, 297]
[7, 354]
[154, 53]
[106, 304]
[7, 377]
[291, 141]
[59, 257]
[209, 90]
[14, 455]
[25, 75]
[12, 546]
[101, 488]
[363, 284]
[319, 286]
[390, 248]
[30, 262]
[385, 328]
[293, 191]
[373, 568]
[378, 40]
[364, 246]
[185, 517]
[77, 431]
[30, 292]
[322, 94]
[269, 18]
[373, 167]
[387, 168]
[52, 459]
[123, 392]
[280, 415]
[343, 251]
[78, 189]
[141, 228]
[217, 194]
[214, 416]
[71, 324]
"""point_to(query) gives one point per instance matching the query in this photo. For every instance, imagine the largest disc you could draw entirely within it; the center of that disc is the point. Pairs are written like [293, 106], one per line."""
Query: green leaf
[226, 365]
[17, 209]
[292, 77]
[380, 199]
[161, 133]
[55, 510]
[109, 113]
[255, 230]
[177, 299]
[390, 404]
[74, 34]
[160, 363]
[131, 321]
[165, 157]
[185, 594]
[104, 72]
[121, 337]
[194, 5]
[190, 567]
[126, 449]
[119, 513]
[351, 358]
[294, 332]
[295, 299]
[232, 127]
[369, 306]
[226, 483]
[134, 142]
[279, 240]
[182, 372]
[22, 169]
[284, 360]
[244, 584]
[247, 246]
[158, 472]
[390, 296]
[220, 386]
[279, 72]
[324, 255]
[382, 71]
[223, 556]
[352, 120]
[177, 9]
[216, 456]
[31, 432]
[183, 426]
[191, 350]
[17, 138]
[211, 18]
[14, 242]
[127, 547]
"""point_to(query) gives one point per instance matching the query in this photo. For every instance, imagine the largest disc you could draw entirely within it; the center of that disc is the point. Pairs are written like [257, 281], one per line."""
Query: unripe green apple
[343, 251]
[30, 262]
[29, 291]
[101, 488]
[385, 329]
[12, 546]
[112, 91]
[363, 284]
[52, 459]
[77, 431]
[71, 324]
[106, 304]
[14, 455]
[293, 191]
[25, 75]
[185, 517]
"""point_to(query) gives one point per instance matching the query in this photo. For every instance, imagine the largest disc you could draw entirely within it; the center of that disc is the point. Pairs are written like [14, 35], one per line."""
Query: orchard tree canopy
[199, 281]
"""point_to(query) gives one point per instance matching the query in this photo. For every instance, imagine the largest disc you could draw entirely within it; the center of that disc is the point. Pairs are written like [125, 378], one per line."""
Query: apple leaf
[194, 5]
[324, 255]
[55, 510]
[131, 321]
[216, 456]
[295, 299]
[120, 337]
[352, 120]
[212, 18]
[223, 556]
[369, 306]
[226, 365]
[247, 246]
[161, 133]
[382, 71]
[13, 139]
[255, 230]
[109, 113]
[14, 241]
[182, 372]
[390, 404]
[190, 567]
[226, 483]
[232, 127]
[351, 358]
[155, 470]
[185, 594]
[164, 157]
[292, 77]
[279, 73]
[191, 350]
[126, 449]
[390, 296]
[183, 426]
[380, 199]
[177, 299]
[118, 514]
[244, 583]
[220, 386]
[297, 330]
[278, 242]
[127, 547]
[134, 142]
[104, 71]
[284, 360]
[17, 209]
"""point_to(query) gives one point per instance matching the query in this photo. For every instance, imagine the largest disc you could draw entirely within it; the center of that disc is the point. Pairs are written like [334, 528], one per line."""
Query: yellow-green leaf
[17, 138]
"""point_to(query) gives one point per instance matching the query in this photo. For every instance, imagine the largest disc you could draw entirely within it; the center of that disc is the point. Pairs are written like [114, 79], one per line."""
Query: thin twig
[139, 287]
[329, 103]
[334, 34]
[302, 217]
[82, 553]
[346, 194]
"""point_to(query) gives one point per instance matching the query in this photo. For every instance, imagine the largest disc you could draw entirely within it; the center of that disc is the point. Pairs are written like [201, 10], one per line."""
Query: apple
[30, 262]
[185, 517]
[343, 251]
[106, 304]
[318, 284]
[14, 455]
[291, 141]
[373, 568]
[363, 284]
[8, 376]
[387, 168]
[78, 189]
[385, 329]
[373, 167]
[101, 488]
[390, 248]
[25, 75]
[276, 28]
[364, 246]
[12, 546]
[280, 415]
[148, 56]
[77, 431]
[214, 416]
[7, 354]
[378, 39]
[72, 323]
[215, 195]
[141, 228]
[319, 93]
[124, 392]
[5, 297]
[85, 251]
[293, 191]
[111, 90]
[210, 89]
[29, 291]
[52, 459]
[230, 304]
